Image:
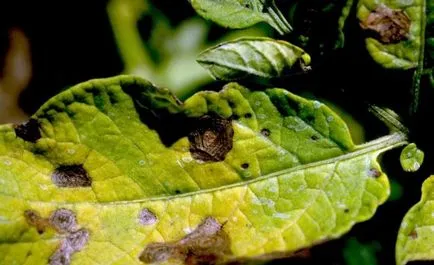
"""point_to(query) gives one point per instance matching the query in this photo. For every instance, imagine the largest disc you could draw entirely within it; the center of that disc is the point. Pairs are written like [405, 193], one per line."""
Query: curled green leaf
[416, 234]
[263, 57]
[117, 171]
[242, 13]
[411, 158]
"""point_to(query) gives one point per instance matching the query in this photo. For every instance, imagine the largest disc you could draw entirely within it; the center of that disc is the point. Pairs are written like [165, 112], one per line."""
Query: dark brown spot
[34, 219]
[207, 244]
[235, 117]
[177, 192]
[231, 104]
[146, 217]
[28, 131]
[245, 165]
[413, 234]
[389, 26]
[71, 177]
[314, 137]
[265, 132]
[63, 220]
[74, 242]
[346, 210]
[211, 139]
[248, 115]
[373, 172]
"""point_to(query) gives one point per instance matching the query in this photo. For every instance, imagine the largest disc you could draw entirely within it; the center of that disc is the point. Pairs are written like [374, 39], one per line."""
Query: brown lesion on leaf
[33, 218]
[64, 222]
[71, 177]
[211, 138]
[207, 244]
[413, 234]
[28, 131]
[389, 25]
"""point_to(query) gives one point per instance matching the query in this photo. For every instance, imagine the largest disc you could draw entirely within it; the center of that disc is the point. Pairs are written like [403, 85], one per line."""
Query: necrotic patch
[71, 177]
[34, 219]
[207, 244]
[74, 242]
[211, 138]
[28, 131]
[63, 220]
[146, 217]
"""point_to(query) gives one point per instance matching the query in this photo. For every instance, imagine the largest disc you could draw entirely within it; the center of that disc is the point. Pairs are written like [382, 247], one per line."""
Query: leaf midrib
[378, 146]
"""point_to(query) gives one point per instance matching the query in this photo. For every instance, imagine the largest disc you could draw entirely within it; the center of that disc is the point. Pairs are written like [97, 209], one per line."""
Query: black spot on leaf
[248, 115]
[207, 244]
[211, 138]
[314, 137]
[265, 132]
[71, 177]
[245, 165]
[28, 131]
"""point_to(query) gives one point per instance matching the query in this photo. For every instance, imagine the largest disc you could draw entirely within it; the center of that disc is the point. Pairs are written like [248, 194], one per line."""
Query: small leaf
[416, 234]
[242, 13]
[411, 158]
[223, 176]
[263, 57]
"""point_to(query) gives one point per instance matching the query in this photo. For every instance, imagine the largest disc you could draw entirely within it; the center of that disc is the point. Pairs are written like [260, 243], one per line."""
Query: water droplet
[43, 187]
[142, 162]
[71, 151]
[330, 118]
[258, 103]
[416, 166]
[282, 215]
[316, 104]
[187, 159]
[7, 162]
[261, 116]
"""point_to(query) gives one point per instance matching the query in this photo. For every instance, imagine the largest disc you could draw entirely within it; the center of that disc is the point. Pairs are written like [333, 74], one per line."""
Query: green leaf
[244, 57]
[238, 14]
[411, 158]
[117, 171]
[416, 234]
[396, 29]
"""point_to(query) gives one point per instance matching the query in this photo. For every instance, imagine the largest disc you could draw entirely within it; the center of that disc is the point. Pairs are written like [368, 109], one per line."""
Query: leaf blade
[261, 57]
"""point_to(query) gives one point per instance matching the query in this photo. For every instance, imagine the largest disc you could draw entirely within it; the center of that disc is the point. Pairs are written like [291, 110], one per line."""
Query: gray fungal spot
[71, 177]
[63, 220]
[146, 217]
[74, 242]
[373, 172]
[265, 132]
[207, 244]
[211, 139]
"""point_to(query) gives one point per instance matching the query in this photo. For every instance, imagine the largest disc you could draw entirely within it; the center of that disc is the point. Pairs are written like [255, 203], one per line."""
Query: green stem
[123, 16]
[278, 20]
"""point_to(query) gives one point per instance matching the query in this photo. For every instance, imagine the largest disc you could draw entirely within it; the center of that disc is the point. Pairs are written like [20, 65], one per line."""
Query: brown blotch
[211, 139]
[34, 219]
[248, 115]
[265, 132]
[207, 244]
[28, 131]
[63, 220]
[373, 172]
[346, 210]
[314, 137]
[71, 177]
[74, 242]
[389, 26]
[413, 234]
[146, 217]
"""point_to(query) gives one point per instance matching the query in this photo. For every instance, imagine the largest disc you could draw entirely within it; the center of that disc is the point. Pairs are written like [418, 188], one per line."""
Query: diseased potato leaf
[395, 31]
[416, 235]
[242, 13]
[263, 57]
[117, 171]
